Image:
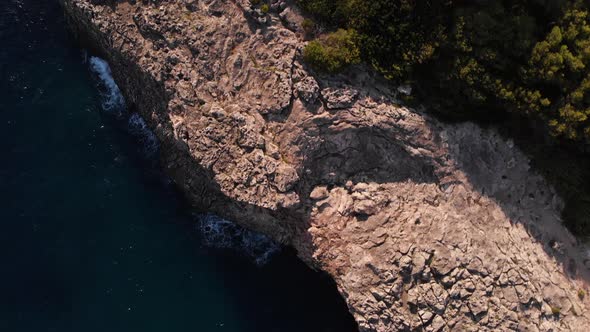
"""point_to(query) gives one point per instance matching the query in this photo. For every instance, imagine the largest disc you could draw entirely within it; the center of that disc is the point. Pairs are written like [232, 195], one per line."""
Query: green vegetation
[334, 51]
[555, 310]
[511, 61]
[581, 294]
[526, 56]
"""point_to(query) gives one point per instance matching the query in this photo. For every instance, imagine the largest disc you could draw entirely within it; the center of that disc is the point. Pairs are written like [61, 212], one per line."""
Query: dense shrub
[333, 52]
[390, 34]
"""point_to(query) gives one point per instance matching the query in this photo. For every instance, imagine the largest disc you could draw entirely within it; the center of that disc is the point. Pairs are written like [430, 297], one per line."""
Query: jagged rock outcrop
[423, 225]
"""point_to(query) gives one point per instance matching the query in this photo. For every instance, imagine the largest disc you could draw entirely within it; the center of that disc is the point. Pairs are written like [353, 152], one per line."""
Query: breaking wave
[223, 234]
[113, 102]
[112, 98]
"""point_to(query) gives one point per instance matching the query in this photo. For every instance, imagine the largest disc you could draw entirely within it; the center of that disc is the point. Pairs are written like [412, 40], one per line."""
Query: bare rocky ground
[423, 225]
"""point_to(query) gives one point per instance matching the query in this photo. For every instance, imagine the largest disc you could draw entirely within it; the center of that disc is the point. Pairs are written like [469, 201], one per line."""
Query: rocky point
[423, 225]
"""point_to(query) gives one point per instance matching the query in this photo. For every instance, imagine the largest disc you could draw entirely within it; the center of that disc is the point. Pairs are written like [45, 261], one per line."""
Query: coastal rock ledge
[423, 225]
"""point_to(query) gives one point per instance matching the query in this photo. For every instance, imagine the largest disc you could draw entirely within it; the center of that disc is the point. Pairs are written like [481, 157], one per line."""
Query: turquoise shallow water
[93, 237]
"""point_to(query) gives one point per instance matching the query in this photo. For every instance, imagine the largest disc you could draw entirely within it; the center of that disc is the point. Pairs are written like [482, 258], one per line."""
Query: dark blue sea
[93, 237]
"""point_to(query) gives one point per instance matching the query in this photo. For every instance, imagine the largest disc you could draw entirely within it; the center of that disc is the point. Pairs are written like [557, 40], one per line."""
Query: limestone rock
[337, 98]
[319, 193]
[307, 89]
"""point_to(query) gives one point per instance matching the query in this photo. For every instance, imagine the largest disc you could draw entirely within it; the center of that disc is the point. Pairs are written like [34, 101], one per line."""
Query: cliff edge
[423, 225]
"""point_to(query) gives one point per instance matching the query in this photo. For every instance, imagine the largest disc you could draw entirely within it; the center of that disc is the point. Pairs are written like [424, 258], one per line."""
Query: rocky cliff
[423, 225]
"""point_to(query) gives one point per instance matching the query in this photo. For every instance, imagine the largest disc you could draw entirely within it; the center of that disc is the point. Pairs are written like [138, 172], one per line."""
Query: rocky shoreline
[423, 225]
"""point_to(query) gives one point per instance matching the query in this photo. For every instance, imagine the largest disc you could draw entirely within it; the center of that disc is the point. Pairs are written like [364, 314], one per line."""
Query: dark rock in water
[422, 224]
[223, 234]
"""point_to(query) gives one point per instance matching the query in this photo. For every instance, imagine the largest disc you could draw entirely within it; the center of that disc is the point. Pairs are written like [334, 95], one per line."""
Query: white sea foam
[112, 99]
[223, 234]
[114, 103]
[146, 138]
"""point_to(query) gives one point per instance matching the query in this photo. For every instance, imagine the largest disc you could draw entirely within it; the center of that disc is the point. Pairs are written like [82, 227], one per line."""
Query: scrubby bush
[333, 52]
[389, 33]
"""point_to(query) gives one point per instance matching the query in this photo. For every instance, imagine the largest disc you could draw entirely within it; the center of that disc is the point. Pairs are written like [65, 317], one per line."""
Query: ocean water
[94, 238]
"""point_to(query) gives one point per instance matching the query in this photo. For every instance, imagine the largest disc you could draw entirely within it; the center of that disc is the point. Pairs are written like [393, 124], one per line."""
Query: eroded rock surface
[423, 225]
